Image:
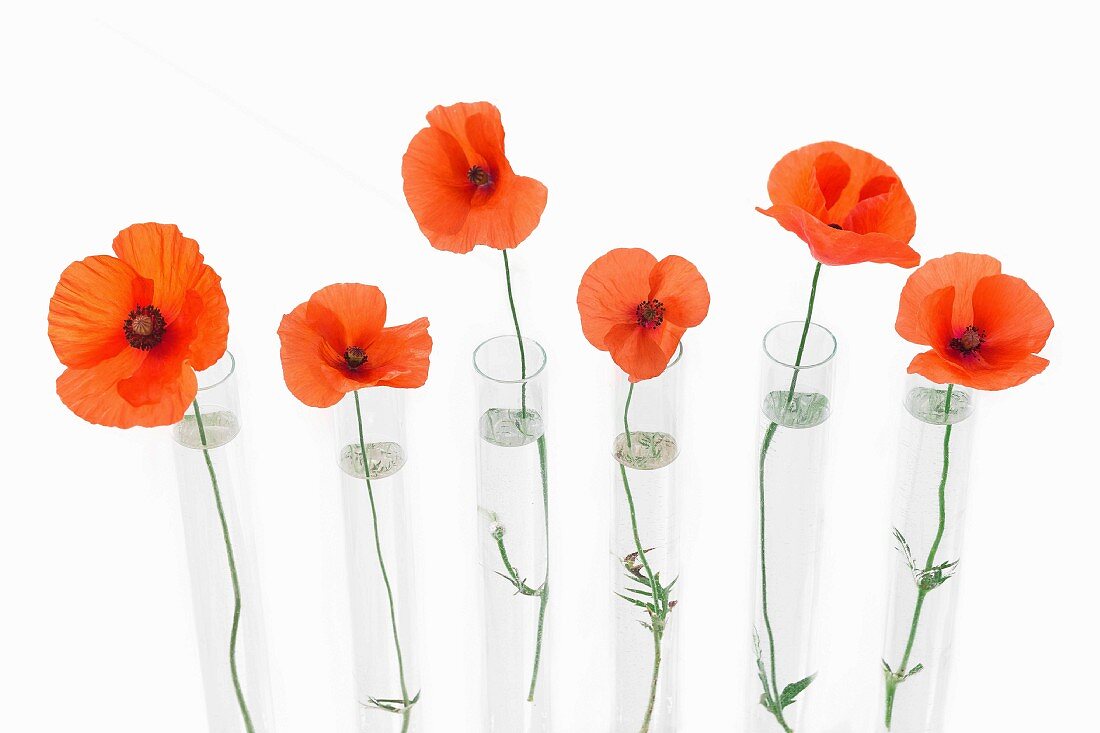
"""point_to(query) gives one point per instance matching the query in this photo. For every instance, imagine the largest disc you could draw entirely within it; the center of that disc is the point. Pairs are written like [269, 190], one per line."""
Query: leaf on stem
[791, 691]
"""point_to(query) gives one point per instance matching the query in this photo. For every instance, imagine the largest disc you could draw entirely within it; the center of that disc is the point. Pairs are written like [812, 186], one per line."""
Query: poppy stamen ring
[970, 341]
[144, 327]
[354, 357]
[650, 313]
[478, 176]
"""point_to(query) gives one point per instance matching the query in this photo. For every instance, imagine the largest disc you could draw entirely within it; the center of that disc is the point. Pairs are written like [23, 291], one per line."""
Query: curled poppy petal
[460, 186]
[611, 290]
[935, 320]
[211, 322]
[935, 368]
[846, 204]
[93, 394]
[88, 308]
[347, 314]
[960, 271]
[307, 369]
[637, 352]
[398, 357]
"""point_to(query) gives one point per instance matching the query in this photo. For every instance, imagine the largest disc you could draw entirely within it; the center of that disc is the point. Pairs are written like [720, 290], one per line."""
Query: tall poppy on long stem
[132, 330]
[637, 309]
[984, 329]
[462, 191]
[849, 207]
[335, 343]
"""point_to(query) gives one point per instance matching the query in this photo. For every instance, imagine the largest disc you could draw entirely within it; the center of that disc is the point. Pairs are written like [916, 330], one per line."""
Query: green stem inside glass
[245, 715]
[776, 707]
[543, 591]
[899, 674]
[406, 707]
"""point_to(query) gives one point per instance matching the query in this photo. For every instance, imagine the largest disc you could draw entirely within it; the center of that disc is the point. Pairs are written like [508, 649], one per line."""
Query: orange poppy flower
[337, 342]
[461, 188]
[638, 309]
[848, 205]
[133, 329]
[984, 327]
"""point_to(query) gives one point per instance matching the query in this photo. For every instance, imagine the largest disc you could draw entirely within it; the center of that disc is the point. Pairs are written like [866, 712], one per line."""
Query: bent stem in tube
[231, 558]
[497, 530]
[928, 578]
[402, 705]
[774, 700]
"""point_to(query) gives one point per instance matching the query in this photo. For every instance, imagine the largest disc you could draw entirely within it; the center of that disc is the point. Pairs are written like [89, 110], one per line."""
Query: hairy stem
[922, 591]
[245, 715]
[544, 592]
[769, 436]
[658, 632]
[656, 619]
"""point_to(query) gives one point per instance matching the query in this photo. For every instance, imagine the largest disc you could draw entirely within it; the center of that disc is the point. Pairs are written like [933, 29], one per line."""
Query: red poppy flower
[984, 327]
[848, 205]
[461, 188]
[133, 329]
[337, 342]
[638, 309]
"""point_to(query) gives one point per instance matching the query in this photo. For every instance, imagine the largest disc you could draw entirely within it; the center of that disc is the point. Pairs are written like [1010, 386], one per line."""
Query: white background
[274, 135]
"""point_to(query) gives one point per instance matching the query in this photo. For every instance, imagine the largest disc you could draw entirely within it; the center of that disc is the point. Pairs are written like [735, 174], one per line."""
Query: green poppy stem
[245, 715]
[769, 435]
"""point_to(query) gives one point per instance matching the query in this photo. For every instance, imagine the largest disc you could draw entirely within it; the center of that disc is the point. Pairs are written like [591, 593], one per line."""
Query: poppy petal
[1013, 318]
[832, 175]
[434, 171]
[833, 247]
[677, 283]
[455, 121]
[307, 368]
[347, 314]
[962, 271]
[610, 291]
[211, 323]
[93, 394]
[88, 309]
[398, 357]
[793, 182]
[637, 351]
[934, 367]
[161, 254]
[670, 336]
[935, 321]
[503, 222]
[890, 213]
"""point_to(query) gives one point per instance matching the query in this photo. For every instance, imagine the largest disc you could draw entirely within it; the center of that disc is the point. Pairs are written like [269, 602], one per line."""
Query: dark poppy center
[650, 313]
[970, 341]
[354, 357]
[478, 176]
[144, 327]
[836, 226]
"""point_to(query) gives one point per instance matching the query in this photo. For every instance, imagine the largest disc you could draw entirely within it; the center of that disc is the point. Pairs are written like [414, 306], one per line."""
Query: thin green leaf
[791, 691]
